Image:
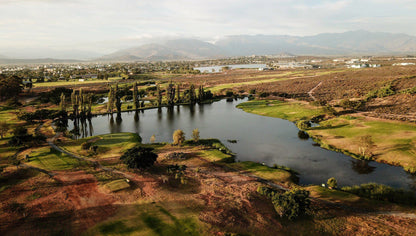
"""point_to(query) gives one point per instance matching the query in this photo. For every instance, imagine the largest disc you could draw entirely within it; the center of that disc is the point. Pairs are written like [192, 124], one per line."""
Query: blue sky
[108, 25]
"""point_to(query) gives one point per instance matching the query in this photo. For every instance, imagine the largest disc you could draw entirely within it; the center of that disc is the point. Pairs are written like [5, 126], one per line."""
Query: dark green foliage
[229, 94]
[266, 191]
[303, 124]
[10, 87]
[291, 204]
[264, 94]
[303, 135]
[139, 157]
[382, 193]
[330, 110]
[252, 91]
[385, 91]
[177, 155]
[40, 115]
[349, 104]
[332, 183]
[54, 96]
[22, 137]
[86, 145]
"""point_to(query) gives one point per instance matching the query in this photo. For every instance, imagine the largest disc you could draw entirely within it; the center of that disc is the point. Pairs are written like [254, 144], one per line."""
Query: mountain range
[328, 44]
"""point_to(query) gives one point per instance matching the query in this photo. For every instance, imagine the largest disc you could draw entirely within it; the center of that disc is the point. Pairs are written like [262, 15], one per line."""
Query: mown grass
[146, 218]
[51, 160]
[74, 82]
[117, 185]
[275, 175]
[292, 111]
[394, 142]
[109, 145]
[218, 88]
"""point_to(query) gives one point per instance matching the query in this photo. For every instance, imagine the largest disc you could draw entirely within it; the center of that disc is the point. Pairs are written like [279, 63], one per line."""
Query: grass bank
[391, 142]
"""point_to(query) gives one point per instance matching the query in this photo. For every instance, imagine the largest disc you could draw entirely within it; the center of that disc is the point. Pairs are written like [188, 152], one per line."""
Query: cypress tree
[62, 104]
[135, 100]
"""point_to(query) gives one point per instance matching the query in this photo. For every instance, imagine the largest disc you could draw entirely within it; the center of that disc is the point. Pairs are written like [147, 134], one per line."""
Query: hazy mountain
[178, 49]
[348, 43]
[352, 42]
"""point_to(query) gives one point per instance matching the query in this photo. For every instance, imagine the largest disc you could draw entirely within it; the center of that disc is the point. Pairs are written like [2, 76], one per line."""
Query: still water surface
[259, 139]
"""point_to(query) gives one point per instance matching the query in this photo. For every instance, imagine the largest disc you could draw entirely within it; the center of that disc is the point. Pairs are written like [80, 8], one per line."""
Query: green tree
[201, 93]
[332, 183]
[178, 137]
[195, 135]
[178, 94]
[291, 204]
[117, 99]
[110, 102]
[136, 101]
[10, 87]
[366, 144]
[192, 95]
[139, 157]
[170, 94]
[158, 96]
[62, 103]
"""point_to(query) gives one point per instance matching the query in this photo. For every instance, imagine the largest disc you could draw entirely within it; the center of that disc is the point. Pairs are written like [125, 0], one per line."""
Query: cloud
[59, 23]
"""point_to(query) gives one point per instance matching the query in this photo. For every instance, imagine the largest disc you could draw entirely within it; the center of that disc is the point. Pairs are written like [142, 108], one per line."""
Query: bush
[229, 94]
[291, 204]
[86, 145]
[178, 137]
[264, 94]
[303, 124]
[177, 155]
[332, 183]
[348, 104]
[139, 157]
[385, 91]
[382, 193]
[252, 91]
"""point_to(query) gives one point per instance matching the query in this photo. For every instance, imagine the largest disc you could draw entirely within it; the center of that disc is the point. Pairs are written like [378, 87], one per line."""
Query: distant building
[404, 64]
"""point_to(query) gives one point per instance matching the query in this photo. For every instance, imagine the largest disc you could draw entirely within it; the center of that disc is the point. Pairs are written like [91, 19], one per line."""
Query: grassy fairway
[74, 82]
[45, 159]
[145, 218]
[218, 88]
[394, 141]
[109, 145]
[278, 176]
[292, 111]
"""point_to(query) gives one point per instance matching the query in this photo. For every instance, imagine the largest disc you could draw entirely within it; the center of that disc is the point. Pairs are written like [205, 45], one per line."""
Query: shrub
[86, 145]
[139, 157]
[348, 104]
[229, 94]
[177, 155]
[291, 204]
[252, 91]
[178, 137]
[385, 91]
[332, 183]
[195, 135]
[264, 94]
[382, 193]
[303, 124]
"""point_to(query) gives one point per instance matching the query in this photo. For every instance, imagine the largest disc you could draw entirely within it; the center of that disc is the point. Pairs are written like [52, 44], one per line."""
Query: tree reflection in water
[362, 167]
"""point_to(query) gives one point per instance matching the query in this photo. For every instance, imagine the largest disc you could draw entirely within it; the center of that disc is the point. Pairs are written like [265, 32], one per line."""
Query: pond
[214, 69]
[258, 138]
